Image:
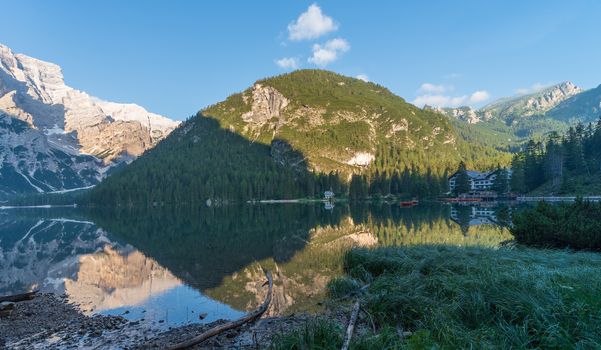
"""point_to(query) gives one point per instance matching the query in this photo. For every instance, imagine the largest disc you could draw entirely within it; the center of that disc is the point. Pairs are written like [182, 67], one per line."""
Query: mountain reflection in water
[171, 265]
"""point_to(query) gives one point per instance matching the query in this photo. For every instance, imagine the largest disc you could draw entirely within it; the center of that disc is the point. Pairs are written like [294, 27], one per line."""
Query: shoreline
[48, 321]
[523, 199]
[557, 198]
[45, 206]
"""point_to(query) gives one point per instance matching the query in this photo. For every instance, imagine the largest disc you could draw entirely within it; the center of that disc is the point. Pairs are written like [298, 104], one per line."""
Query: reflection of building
[474, 215]
[478, 181]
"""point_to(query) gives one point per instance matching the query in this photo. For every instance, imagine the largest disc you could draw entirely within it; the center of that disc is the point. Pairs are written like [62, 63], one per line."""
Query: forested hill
[341, 123]
[296, 135]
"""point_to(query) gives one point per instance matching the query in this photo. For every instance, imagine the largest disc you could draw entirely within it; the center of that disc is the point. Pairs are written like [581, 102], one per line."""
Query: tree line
[558, 159]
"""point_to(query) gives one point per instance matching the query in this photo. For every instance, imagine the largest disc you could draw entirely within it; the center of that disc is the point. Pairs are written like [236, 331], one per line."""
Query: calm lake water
[166, 267]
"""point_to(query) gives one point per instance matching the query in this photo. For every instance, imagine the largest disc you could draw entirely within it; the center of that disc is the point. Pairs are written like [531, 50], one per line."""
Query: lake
[172, 266]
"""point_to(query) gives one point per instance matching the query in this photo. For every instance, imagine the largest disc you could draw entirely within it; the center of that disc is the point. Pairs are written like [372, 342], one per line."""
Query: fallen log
[18, 297]
[351, 326]
[232, 324]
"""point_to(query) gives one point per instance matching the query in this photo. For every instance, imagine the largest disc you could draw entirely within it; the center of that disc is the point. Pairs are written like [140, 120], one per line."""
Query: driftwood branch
[18, 297]
[232, 324]
[351, 326]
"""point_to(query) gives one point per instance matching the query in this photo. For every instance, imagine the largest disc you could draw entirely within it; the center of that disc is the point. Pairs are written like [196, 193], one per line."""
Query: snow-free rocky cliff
[54, 137]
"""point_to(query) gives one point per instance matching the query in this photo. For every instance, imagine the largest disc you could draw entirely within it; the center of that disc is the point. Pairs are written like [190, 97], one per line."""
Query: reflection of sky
[176, 306]
[104, 277]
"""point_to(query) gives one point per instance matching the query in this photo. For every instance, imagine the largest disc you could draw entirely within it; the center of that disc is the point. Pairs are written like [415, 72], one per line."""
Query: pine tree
[501, 183]
[517, 182]
[462, 181]
[554, 159]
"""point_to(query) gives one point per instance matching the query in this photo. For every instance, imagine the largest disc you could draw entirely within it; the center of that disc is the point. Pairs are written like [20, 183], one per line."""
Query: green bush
[575, 226]
[342, 286]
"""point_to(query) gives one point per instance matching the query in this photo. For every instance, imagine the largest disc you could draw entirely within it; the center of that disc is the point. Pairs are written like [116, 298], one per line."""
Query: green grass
[482, 298]
[326, 334]
[316, 334]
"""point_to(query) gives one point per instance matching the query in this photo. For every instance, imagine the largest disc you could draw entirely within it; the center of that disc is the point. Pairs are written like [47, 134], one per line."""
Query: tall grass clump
[326, 334]
[315, 334]
[454, 297]
[576, 226]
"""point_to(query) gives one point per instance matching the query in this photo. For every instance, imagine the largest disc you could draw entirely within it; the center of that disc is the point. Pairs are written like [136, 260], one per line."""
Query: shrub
[575, 226]
[342, 286]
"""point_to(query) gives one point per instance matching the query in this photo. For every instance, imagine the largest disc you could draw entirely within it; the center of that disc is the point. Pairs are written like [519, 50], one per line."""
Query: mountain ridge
[516, 118]
[294, 136]
[64, 121]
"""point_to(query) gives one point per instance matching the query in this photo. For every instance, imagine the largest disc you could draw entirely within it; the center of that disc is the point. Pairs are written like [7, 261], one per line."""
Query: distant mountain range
[554, 108]
[55, 138]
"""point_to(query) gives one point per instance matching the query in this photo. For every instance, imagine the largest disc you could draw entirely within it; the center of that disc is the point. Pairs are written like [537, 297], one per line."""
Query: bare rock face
[117, 139]
[34, 91]
[466, 114]
[267, 103]
[551, 98]
[362, 159]
[537, 103]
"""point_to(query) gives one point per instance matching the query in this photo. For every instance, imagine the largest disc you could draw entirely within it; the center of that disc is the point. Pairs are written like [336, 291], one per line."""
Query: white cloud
[311, 25]
[363, 77]
[433, 88]
[287, 63]
[329, 52]
[536, 87]
[479, 96]
[439, 100]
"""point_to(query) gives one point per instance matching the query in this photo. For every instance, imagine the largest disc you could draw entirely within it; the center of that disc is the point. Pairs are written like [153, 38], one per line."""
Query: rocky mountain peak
[550, 97]
[464, 113]
[70, 121]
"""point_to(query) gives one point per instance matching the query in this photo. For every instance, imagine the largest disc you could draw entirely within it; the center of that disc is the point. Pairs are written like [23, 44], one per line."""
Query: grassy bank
[453, 297]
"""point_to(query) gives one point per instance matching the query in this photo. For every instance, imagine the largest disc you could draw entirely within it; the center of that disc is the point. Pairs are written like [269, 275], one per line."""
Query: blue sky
[176, 57]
